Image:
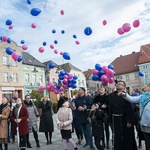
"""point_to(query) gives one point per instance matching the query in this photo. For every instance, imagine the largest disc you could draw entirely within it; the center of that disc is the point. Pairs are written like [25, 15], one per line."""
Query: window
[15, 77]
[26, 68]
[79, 82]
[27, 77]
[136, 76]
[53, 80]
[83, 82]
[146, 74]
[5, 60]
[40, 78]
[97, 85]
[14, 63]
[127, 78]
[144, 67]
[33, 78]
[5, 76]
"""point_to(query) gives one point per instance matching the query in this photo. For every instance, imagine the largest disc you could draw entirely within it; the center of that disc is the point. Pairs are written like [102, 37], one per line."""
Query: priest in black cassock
[121, 118]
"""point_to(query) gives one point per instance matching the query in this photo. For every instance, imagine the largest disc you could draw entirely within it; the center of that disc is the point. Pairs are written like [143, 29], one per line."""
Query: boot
[29, 145]
[37, 143]
[76, 148]
[1, 147]
[6, 146]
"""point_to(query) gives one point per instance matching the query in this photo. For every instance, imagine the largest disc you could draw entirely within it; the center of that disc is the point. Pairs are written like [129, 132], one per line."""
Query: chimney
[133, 52]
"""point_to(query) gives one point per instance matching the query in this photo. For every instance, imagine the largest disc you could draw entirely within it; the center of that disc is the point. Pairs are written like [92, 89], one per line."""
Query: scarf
[30, 104]
[2, 106]
[145, 97]
[16, 110]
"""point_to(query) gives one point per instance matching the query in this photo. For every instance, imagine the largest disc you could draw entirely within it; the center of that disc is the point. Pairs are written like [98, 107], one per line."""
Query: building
[10, 72]
[144, 64]
[33, 73]
[126, 68]
[92, 86]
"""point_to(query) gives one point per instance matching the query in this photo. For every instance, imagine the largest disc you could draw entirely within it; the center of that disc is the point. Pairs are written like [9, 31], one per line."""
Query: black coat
[46, 120]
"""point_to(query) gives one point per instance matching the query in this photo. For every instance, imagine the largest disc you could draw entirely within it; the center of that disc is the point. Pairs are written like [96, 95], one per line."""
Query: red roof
[144, 56]
[126, 64]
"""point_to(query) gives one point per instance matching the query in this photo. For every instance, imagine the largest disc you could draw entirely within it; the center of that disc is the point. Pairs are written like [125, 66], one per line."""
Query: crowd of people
[92, 118]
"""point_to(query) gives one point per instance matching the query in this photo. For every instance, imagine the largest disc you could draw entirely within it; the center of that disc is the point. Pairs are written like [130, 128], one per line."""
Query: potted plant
[54, 105]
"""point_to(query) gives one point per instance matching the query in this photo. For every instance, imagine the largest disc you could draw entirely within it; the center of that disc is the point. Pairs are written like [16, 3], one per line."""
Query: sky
[102, 46]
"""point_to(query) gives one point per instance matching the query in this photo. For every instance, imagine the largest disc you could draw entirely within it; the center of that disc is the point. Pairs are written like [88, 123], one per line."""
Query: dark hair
[14, 98]
[26, 96]
[82, 88]
[122, 82]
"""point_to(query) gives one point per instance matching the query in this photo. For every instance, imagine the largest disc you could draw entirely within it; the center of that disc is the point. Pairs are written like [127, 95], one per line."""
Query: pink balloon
[104, 22]
[104, 78]
[56, 91]
[33, 25]
[126, 27]
[10, 27]
[120, 31]
[65, 80]
[136, 23]
[41, 49]
[77, 42]
[4, 38]
[104, 68]
[61, 89]
[65, 77]
[52, 46]
[61, 53]
[110, 80]
[64, 86]
[62, 12]
[48, 87]
[41, 88]
[95, 72]
[109, 73]
[70, 76]
[24, 47]
[56, 51]
[14, 56]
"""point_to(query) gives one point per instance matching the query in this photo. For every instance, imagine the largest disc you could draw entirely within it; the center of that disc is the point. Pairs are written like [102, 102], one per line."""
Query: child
[64, 120]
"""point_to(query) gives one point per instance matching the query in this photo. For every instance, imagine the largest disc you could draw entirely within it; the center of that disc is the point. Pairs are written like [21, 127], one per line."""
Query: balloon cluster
[5, 39]
[9, 24]
[104, 74]
[126, 27]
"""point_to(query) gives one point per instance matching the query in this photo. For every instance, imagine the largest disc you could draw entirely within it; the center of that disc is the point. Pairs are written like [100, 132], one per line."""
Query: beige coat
[4, 122]
[64, 115]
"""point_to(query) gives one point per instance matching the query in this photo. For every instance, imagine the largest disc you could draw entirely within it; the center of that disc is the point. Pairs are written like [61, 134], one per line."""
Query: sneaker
[92, 147]
[85, 145]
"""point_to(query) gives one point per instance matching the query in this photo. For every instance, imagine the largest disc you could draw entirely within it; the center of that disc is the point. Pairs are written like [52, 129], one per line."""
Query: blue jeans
[87, 131]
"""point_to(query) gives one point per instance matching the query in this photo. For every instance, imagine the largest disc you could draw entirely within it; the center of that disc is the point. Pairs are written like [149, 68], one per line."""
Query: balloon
[9, 50]
[44, 43]
[136, 23]
[95, 72]
[28, 1]
[74, 36]
[104, 79]
[22, 41]
[104, 68]
[70, 76]
[8, 40]
[14, 56]
[53, 31]
[19, 59]
[65, 76]
[74, 81]
[51, 65]
[62, 31]
[33, 25]
[41, 49]
[62, 12]
[77, 42]
[41, 88]
[24, 47]
[8, 22]
[65, 80]
[1, 38]
[55, 42]
[35, 11]
[140, 74]
[10, 27]
[66, 73]
[61, 89]
[56, 51]
[87, 31]
[100, 73]
[109, 73]
[75, 77]
[126, 27]
[48, 87]
[110, 80]
[51, 46]
[95, 78]
[64, 86]
[66, 56]
[74, 86]
[120, 31]
[61, 53]
[104, 22]
[111, 66]
[98, 67]
[62, 73]
[4, 38]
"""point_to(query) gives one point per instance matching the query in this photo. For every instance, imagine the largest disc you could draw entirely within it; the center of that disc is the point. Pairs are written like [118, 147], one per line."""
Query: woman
[144, 100]
[64, 121]
[20, 118]
[4, 115]
[46, 120]
[32, 120]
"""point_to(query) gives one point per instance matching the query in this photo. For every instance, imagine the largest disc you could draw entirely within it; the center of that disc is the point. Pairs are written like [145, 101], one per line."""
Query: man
[121, 118]
[102, 100]
[82, 104]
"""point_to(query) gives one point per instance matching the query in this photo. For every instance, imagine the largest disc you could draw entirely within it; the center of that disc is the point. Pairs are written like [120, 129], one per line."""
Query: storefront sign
[8, 88]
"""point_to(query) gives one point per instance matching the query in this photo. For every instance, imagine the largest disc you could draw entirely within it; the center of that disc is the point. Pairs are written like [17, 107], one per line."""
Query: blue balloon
[100, 73]
[8, 22]
[59, 81]
[61, 77]
[22, 41]
[9, 50]
[104, 84]
[66, 73]
[35, 11]
[62, 73]
[8, 40]
[66, 56]
[74, 36]
[58, 87]
[136, 94]
[74, 86]
[55, 42]
[75, 77]
[95, 77]
[44, 43]
[1, 38]
[19, 59]
[53, 31]
[28, 1]
[98, 67]
[51, 65]
[141, 74]
[62, 31]
[74, 81]
[87, 31]
[111, 66]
